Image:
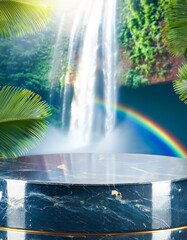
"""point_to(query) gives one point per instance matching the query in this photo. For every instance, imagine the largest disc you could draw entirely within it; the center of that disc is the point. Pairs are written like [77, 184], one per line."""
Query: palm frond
[18, 17]
[22, 122]
[180, 85]
[175, 31]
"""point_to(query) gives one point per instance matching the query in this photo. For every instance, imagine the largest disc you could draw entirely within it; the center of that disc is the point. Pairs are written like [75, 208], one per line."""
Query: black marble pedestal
[93, 196]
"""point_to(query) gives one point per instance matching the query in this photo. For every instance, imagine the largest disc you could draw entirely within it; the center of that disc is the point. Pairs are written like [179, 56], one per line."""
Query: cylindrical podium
[93, 197]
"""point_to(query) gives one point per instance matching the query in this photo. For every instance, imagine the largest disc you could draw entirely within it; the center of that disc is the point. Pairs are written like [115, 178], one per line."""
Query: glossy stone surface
[94, 169]
[93, 193]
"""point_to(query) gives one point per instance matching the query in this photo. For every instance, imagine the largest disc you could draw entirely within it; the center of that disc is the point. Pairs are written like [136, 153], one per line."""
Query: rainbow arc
[151, 126]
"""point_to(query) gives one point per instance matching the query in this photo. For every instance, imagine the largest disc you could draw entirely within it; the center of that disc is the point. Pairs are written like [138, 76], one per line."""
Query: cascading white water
[56, 56]
[71, 48]
[93, 30]
[110, 63]
[84, 96]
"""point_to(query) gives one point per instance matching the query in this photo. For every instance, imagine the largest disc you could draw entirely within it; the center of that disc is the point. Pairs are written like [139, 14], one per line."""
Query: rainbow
[151, 126]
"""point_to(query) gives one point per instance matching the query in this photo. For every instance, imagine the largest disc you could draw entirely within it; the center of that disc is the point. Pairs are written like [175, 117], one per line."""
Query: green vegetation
[22, 122]
[27, 62]
[19, 17]
[133, 79]
[140, 37]
[175, 27]
[176, 38]
[22, 113]
[180, 85]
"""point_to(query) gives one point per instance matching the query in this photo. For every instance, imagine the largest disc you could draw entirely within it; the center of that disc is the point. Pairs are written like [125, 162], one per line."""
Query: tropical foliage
[176, 38]
[22, 113]
[25, 62]
[28, 62]
[180, 85]
[140, 37]
[22, 122]
[19, 17]
[133, 79]
[176, 26]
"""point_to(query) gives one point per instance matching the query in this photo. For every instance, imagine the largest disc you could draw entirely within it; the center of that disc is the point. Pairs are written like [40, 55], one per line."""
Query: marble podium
[93, 197]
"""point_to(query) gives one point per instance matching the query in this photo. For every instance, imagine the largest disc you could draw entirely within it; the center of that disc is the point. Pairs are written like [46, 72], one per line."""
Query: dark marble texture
[93, 193]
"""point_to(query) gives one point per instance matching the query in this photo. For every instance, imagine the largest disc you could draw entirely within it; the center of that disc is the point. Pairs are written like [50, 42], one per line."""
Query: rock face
[171, 70]
[124, 65]
[110, 196]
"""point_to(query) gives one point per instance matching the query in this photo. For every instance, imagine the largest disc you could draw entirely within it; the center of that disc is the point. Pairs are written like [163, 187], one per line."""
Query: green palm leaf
[22, 122]
[176, 27]
[180, 85]
[18, 17]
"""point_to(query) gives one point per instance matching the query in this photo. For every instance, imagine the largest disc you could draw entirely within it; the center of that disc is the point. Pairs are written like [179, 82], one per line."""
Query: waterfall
[56, 60]
[84, 97]
[71, 48]
[110, 63]
[92, 46]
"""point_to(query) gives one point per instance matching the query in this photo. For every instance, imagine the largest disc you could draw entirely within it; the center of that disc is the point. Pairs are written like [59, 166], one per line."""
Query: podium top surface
[94, 169]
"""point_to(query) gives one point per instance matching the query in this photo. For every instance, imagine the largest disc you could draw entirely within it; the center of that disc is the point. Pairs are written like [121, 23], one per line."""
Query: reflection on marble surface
[94, 168]
[93, 193]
